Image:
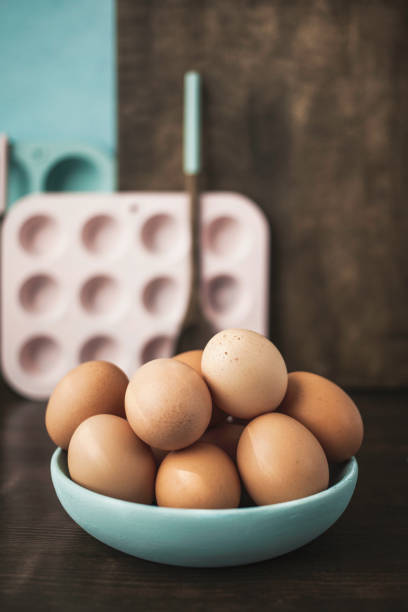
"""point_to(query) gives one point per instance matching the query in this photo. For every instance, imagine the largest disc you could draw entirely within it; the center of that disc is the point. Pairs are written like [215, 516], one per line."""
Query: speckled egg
[246, 373]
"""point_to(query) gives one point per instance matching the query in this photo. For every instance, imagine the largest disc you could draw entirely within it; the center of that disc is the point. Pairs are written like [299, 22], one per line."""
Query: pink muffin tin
[95, 276]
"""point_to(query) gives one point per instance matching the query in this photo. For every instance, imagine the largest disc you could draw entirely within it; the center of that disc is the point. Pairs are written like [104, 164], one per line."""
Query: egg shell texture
[193, 359]
[105, 455]
[327, 411]
[201, 476]
[168, 405]
[280, 460]
[94, 387]
[246, 373]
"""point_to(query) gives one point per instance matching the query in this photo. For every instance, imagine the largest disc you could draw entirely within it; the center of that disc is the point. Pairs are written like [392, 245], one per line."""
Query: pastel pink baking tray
[95, 276]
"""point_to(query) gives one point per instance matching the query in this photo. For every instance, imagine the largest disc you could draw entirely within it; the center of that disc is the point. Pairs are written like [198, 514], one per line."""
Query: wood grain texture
[48, 563]
[305, 112]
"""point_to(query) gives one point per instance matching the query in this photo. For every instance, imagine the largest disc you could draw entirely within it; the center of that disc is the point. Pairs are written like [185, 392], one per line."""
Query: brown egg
[245, 372]
[200, 476]
[104, 455]
[329, 413]
[226, 436]
[280, 460]
[168, 405]
[193, 359]
[94, 387]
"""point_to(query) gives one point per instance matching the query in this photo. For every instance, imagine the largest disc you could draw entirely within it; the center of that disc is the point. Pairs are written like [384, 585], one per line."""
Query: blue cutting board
[58, 94]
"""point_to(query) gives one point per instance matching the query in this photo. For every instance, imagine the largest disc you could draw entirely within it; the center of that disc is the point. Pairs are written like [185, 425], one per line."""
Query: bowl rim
[58, 471]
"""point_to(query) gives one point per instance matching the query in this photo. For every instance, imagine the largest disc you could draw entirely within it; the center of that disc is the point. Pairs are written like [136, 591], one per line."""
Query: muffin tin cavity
[224, 294]
[106, 276]
[73, 174]
[159, 346]
[40, 294]
[100, 295]
[40, 356]
[160, 234]
[160, 296]
[101, 235]
[39, 235]
[102, 347]
[225, 236]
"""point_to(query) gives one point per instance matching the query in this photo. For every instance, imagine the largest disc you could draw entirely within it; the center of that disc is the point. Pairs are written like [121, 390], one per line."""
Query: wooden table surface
[48, 563]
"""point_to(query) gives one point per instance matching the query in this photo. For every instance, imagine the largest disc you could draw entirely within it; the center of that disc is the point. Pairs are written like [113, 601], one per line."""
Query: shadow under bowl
[203, 538]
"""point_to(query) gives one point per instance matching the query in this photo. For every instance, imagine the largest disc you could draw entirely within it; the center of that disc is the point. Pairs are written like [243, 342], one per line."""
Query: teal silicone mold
[58, 167]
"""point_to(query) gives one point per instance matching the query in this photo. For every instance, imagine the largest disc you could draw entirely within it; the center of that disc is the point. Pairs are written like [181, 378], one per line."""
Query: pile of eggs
[205, 429]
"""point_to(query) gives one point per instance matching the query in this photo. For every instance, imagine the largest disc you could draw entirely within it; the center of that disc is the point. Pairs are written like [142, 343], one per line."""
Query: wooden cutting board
[306, 113]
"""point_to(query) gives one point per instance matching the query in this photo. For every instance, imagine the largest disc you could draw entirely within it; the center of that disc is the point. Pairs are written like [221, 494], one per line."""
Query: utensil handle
[192, 123]
[192, 166]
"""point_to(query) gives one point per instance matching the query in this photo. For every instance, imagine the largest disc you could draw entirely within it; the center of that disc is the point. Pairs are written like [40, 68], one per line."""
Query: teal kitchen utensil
[196, 329]
[203, 538]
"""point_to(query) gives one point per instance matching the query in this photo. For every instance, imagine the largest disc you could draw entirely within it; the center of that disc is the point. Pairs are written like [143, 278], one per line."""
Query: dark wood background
[305, 112]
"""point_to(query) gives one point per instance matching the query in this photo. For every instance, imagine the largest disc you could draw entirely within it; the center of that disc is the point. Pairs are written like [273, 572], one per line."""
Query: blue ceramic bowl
[203, 538]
